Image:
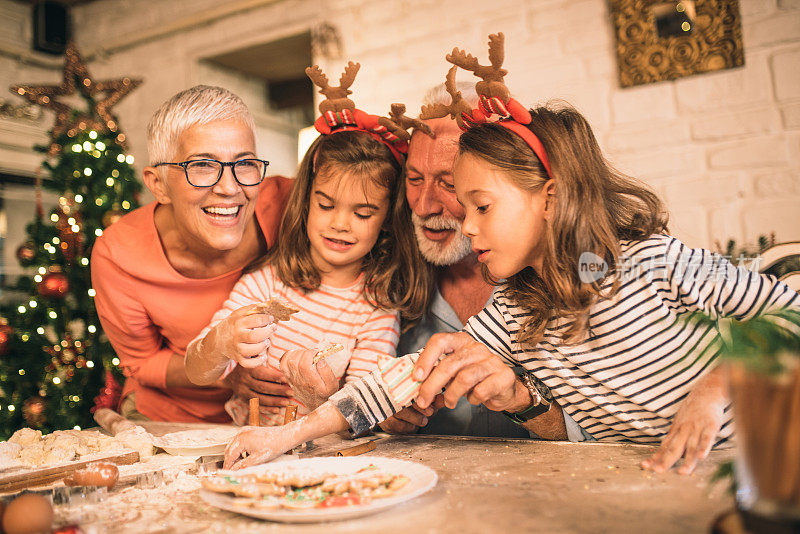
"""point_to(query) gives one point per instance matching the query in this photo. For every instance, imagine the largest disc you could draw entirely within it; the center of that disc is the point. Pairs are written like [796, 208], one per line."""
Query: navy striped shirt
[625, 380]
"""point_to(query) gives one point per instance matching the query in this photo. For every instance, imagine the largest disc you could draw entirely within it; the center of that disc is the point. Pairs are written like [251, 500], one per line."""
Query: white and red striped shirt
[327, 315]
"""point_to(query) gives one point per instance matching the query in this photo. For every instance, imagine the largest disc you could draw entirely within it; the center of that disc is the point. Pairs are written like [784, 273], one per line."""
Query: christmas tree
[55, 362]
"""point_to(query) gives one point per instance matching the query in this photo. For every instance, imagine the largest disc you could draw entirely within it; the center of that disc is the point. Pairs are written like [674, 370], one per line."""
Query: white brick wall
[723, 148]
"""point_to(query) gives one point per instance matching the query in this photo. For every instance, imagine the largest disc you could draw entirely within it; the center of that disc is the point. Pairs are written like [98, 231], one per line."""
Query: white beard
[433, 251]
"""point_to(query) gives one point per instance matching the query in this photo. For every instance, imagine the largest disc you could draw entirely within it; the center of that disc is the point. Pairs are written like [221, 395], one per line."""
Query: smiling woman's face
[215, 217]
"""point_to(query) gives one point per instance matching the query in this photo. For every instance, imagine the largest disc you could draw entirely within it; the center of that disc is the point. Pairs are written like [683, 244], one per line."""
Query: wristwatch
[539, 405]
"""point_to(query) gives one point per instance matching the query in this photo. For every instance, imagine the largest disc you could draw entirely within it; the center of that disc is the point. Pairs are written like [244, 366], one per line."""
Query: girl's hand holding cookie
[311, 383]
[248, 330]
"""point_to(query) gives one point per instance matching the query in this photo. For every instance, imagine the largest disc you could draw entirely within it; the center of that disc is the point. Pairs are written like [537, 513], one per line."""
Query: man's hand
[468, 369]
[411, 418]
[312, 383]
[694, 427]
[264, 382]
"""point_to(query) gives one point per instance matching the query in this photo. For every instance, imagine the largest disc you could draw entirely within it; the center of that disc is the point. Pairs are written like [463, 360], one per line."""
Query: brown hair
[396, 276]
[595, 207]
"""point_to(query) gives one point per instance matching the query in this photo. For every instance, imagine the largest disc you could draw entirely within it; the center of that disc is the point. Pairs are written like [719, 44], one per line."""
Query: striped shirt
[327, 315]
[641, 357]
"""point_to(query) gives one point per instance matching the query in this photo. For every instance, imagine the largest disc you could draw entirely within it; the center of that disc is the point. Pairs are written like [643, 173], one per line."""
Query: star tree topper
[77, 76]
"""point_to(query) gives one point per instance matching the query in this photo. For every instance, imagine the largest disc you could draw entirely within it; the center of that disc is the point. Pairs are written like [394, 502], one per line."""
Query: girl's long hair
[595, 207]
[396, 276]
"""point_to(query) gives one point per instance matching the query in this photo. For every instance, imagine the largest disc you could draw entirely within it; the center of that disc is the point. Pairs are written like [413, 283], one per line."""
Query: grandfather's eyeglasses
[207, 172]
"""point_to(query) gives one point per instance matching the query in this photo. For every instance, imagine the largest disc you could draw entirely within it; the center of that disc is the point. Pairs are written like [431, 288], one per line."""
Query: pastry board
[421, 479]
[39, 476]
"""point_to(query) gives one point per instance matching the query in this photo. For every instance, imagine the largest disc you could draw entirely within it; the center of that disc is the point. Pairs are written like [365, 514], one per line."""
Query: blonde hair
[396, 276]
[595, 207]
[200, 104]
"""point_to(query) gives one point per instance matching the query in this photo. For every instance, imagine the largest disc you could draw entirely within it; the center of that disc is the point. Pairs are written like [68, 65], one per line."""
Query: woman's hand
[311, 383]
[247, 334]
[694, 427]
[467, 369]
[256, 445]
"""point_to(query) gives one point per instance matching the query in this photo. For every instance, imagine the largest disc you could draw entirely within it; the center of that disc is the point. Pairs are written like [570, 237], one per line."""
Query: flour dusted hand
[312, 383]
[246, 332]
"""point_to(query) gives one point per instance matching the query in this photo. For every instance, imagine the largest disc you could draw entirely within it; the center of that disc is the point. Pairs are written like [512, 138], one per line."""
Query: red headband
[355, 120]
[512, 116]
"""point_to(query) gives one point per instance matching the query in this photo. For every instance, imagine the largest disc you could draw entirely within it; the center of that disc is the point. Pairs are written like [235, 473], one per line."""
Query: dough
[26, 436]
[138, 439]
[30, 448]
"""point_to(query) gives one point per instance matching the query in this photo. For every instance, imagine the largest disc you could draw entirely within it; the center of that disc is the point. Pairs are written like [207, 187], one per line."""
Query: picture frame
[658, 40]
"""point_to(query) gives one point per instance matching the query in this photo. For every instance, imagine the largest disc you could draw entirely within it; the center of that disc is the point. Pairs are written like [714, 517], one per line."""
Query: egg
[28, 514]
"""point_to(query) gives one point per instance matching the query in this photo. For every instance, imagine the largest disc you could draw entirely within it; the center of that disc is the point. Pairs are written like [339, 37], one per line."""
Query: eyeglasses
[207, 172]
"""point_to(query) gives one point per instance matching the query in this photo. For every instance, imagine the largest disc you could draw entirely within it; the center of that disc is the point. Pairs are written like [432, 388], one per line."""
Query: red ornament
[26, 253]
[5, 336]
[109, 395]
[54, 284]
[33, 411]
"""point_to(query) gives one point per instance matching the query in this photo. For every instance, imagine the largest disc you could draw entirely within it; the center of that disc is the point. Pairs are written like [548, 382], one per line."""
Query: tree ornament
[26, 253]
[67, 353]
[76, 75]
[69, 229]
[33, 412]
[6, 332]
[54, 284]
[109, 395]
[112, 216]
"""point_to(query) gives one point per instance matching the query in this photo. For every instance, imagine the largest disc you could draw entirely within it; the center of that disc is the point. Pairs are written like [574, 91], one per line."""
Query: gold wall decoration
[663, 40]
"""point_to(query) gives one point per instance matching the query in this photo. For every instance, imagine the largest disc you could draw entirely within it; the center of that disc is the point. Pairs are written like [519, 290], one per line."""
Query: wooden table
[485, 485]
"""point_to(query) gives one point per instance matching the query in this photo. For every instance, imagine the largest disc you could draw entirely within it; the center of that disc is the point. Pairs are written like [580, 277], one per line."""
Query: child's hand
[256, 445]
[312, 384]
[694, 427]
[247, 334]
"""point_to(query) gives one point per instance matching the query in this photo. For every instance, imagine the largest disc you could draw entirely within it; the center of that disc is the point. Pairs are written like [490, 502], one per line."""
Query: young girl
[594, 304]
[338, 263]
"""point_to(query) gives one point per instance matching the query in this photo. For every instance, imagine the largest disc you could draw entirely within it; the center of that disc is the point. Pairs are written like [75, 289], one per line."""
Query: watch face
[543, 390]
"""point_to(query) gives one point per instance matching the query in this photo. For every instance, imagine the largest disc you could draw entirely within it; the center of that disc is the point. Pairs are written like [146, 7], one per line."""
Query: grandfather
[461, 290]
[162, 271]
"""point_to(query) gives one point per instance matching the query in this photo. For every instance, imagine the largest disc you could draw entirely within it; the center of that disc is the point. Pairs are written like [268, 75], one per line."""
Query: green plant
[768, 343]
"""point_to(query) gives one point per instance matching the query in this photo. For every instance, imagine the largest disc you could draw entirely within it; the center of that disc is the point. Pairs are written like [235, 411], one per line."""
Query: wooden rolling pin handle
[290, 414]
[112, 421]
[358, 449]
[255, 416]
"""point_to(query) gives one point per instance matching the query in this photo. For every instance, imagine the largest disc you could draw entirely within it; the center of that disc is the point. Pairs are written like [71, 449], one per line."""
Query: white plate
[196, 442]
[422, 479]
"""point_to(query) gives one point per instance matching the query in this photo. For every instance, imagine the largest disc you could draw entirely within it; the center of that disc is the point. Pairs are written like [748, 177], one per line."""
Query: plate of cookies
[317, 489]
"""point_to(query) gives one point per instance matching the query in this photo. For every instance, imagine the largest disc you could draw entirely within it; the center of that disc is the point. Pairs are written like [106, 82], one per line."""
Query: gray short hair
[200, 104]
[439, 95]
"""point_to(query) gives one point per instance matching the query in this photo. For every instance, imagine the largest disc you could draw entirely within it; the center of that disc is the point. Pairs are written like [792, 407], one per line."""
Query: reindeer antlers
[349, 75]
[318, 77]
[496, 50]
[457, 104]
[398, 115]
[320, 80]
[491, 73]
[461, 59]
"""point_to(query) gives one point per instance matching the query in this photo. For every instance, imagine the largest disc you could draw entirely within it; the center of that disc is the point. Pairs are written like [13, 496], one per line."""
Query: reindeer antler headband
[493, 97]
[339, 113]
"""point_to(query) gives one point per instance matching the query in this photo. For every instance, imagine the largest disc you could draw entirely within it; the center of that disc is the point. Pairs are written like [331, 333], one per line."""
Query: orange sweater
[149, 311]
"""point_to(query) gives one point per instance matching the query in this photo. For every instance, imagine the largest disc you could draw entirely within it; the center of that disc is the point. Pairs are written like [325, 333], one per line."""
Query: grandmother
[161, 271]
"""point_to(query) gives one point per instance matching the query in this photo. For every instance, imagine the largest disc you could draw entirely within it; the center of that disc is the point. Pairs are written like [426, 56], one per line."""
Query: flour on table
[28, 448]
[188, 439]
